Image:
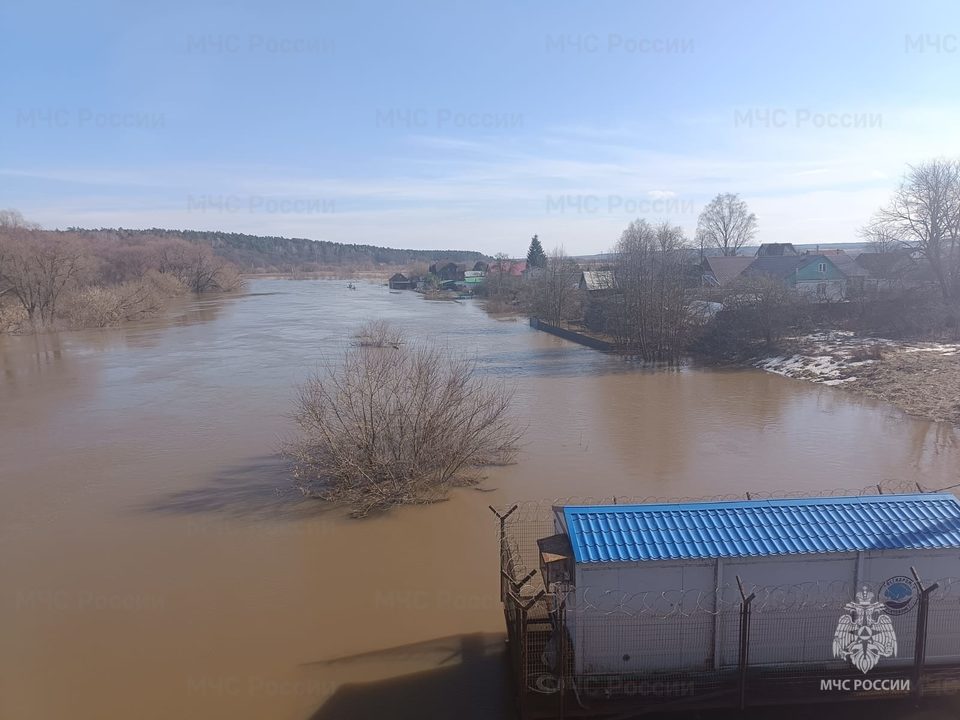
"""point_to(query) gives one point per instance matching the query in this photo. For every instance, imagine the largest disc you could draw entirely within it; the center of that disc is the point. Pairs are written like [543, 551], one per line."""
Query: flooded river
[155, 563]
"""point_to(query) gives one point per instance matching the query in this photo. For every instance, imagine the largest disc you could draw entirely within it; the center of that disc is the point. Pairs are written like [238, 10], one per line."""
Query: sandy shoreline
[920, 378]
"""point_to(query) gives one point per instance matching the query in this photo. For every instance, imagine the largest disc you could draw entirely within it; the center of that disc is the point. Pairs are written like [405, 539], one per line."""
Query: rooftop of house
[883, 264]
[782, 266]
[727, 268]
[675, 531]
[776, 250]
[598, 279]
[510, 267]
[845, 262]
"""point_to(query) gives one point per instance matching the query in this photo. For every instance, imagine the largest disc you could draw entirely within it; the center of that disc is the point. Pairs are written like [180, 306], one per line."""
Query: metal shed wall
[609, 637]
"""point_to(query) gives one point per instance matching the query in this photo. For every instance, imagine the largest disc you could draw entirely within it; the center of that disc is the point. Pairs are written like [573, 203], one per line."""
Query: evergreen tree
[536, 257]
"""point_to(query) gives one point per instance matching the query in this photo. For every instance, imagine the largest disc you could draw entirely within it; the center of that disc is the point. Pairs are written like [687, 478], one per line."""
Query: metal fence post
[920, 648]
[744, 656]
[503, 547]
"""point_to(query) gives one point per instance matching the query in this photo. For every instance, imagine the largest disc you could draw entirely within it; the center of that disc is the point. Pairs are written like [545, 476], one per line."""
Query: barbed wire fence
[723, 637]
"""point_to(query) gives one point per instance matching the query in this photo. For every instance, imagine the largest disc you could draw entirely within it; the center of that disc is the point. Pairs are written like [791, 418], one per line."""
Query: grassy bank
[920, 378]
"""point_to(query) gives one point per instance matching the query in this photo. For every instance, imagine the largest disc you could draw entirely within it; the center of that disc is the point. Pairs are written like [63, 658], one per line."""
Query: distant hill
[258, 253]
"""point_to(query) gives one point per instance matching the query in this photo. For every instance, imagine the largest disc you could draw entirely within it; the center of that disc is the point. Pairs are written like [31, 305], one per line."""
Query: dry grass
[925, 384]
[863, 353]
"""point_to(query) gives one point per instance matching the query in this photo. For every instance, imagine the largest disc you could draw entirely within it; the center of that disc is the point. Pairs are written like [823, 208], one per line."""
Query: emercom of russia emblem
[864, 633]
[899, 595]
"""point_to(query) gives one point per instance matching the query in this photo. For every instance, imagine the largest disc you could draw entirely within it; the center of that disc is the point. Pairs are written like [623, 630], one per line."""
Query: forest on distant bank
[75, 278]
[267, 254]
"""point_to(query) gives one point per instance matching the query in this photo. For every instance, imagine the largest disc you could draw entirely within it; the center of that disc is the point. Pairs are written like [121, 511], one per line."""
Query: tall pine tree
[536, 257]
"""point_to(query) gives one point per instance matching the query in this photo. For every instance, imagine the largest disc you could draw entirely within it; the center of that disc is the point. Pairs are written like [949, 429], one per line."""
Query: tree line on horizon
[271, 253]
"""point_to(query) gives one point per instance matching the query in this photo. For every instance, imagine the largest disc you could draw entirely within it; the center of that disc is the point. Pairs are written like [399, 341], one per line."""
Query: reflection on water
[157, 564]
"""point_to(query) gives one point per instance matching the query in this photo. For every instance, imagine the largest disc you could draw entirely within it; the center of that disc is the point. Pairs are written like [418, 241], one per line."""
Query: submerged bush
[398, 425]
[106, 306]
[379, 334]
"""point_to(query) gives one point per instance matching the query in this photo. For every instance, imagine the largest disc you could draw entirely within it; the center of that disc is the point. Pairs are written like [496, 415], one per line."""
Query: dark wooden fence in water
[571, 335]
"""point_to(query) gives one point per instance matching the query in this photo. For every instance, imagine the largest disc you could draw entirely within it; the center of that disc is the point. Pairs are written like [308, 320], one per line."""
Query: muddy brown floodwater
[155, 563]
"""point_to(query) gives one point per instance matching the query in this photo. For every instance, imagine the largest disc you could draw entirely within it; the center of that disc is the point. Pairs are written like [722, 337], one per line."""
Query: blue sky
[469, 124]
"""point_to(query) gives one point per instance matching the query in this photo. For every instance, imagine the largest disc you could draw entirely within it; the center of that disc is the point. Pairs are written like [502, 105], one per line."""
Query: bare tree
[881, 237]
[37, 268]
[12, 225]
[14, 219]
[503, 290]
[726, 223]
[196, 266]
[924, 214]
[553, 294]
[496, 272]
[765, 306]
[395, 426]
[652, 318]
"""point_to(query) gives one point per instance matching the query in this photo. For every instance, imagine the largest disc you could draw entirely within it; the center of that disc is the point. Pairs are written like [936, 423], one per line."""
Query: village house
[447, 272]
[597, 282]
[600, 289]
[472, 278]
[857, 276]
[513, 268]
[813, 276]
[722, 270]
[831, 275]
[399, 281]
[898, 270]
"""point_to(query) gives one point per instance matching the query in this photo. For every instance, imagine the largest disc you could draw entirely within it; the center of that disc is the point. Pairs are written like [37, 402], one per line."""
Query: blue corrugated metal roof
[628, 533]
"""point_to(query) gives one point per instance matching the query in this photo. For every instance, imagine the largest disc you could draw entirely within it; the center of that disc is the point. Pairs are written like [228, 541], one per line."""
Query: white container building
[654, 587]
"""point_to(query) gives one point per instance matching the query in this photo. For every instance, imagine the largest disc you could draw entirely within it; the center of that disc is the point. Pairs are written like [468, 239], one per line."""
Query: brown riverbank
[925, 384]
[921, 378]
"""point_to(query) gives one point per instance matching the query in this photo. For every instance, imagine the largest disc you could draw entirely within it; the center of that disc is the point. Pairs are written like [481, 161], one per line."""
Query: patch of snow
[828, 356]
[942, 348]
[818, 368]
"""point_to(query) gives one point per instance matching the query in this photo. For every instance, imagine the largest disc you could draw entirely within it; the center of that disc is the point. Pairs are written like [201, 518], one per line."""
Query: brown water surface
[155, 563]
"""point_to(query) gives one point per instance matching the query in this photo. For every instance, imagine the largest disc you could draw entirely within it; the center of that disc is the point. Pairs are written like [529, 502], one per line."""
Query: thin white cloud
[577, 186]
